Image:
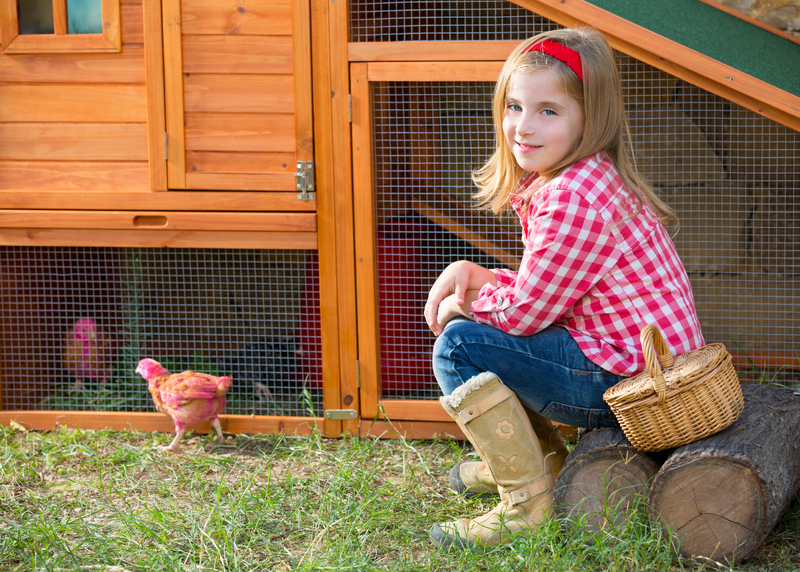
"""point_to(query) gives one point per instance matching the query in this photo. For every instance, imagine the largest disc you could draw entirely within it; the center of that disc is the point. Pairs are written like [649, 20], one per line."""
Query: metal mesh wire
[252, 314]
[731, 174]
[443, 20]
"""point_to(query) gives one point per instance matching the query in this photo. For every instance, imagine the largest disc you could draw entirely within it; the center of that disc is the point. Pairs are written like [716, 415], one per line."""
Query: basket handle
[656, 357]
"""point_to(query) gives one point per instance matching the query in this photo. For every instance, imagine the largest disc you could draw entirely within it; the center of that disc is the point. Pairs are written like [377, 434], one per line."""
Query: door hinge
[358, 374]
[305, 180]
[340, 414]
[349, 108]
[166, 157]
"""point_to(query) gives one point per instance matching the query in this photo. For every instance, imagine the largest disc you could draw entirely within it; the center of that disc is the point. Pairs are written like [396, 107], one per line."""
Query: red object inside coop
[405, 348]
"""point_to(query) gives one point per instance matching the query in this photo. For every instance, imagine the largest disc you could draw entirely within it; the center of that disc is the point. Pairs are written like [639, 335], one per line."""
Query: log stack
[719, 497]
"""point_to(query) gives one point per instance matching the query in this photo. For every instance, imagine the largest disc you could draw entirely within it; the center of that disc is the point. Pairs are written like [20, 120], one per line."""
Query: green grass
[110, 501]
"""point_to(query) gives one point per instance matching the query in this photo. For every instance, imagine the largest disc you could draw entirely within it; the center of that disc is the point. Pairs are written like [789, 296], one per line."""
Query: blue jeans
[547, 371]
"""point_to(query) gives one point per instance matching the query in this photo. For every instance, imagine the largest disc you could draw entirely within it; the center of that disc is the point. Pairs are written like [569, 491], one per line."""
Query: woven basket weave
[678, 401]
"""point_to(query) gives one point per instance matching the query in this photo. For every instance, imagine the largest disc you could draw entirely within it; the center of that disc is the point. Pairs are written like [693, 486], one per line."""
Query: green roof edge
[718, 35]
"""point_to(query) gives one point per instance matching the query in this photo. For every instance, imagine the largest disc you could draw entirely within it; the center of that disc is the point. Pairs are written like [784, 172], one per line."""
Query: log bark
[721, 496]
[602, 478]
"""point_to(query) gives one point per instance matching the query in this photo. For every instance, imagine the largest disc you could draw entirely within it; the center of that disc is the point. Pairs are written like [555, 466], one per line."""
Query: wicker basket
[693, 396]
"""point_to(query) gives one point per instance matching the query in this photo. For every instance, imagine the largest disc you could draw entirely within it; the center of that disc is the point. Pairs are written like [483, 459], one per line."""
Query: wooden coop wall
[184, 142]
[732, 175]
[76, 122]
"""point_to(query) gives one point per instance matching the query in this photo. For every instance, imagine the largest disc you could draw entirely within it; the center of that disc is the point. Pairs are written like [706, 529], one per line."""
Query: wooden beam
[156, 107]
[158, 220]
[437, 51]
[108, 199]
[173, 92]
[158, 238]
[129, 421]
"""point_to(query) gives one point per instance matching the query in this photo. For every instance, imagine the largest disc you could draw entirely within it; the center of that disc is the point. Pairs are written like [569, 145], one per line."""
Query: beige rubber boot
[494, 421]
[472, 478]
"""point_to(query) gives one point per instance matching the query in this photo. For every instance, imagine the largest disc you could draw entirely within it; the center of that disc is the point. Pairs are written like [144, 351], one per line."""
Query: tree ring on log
[719, 502]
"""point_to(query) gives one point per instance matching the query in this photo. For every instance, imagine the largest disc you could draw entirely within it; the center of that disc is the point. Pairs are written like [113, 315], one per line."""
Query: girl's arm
[456, 280]
[450, 308]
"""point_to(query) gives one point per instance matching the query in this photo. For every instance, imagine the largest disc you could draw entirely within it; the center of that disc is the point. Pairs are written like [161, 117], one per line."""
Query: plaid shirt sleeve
[568, 249]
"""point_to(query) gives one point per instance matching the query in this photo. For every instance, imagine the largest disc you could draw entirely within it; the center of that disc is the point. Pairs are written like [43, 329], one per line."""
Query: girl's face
[541, 123]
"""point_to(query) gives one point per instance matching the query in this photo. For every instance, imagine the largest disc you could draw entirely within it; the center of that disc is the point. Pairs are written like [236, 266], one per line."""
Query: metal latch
[340, 414]
[305, 180]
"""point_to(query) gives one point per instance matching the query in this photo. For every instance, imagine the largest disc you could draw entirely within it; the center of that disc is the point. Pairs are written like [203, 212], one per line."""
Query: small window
[60, 26]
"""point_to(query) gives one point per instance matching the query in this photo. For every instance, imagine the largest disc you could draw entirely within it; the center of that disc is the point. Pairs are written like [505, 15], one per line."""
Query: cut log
[602, 478]
[721, 496]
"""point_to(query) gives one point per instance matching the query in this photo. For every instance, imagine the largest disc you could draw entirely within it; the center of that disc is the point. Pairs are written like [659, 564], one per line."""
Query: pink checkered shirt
[587, 269]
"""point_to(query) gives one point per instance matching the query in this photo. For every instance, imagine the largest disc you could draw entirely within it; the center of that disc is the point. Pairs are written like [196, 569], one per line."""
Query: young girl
[518, 349]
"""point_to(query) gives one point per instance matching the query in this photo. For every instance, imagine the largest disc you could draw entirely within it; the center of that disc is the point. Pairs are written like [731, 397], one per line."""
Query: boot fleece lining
[472, 384]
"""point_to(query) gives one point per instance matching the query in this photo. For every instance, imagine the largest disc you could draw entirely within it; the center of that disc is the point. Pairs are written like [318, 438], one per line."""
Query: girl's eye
[549, 112]
[514, 107]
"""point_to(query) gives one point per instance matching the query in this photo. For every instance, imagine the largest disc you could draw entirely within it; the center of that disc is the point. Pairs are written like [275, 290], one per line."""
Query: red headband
[560, 52]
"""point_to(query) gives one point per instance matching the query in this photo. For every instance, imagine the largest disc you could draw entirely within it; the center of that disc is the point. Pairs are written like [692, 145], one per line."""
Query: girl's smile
[541, 123]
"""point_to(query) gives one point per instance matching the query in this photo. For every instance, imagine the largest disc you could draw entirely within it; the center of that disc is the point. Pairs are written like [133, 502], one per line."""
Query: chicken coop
[268, 189]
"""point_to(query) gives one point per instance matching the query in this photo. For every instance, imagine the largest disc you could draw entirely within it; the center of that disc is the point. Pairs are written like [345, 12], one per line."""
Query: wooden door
[238, 93]
[397, 217]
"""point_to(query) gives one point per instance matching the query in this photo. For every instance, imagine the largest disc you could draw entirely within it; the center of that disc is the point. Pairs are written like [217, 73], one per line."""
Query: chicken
[186, 397]
[87, 354]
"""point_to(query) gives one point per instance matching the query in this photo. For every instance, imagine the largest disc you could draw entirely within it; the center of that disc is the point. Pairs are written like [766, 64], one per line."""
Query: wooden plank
[410, 430]
[9, 23]
[60, 22]
[337, 393]
[238, 17]
[434, 71]
[125, 421]
[156, 108]
[158, 220]
[173, 92]
[132, 24]
[427, 51]
[73, 176]
[238, 93]
[237, 54]
[52, 44]
[79, 103]
[764, 361]
[159, 238]
[468, 225]
[112, 30]
[304, 127]
[241, 181]
[126, 67]
[413, 410]
[364, 239]
[210, 162]
[73, 141]
[240, 132]
[343, 201]
[113, 199]
[674, 58]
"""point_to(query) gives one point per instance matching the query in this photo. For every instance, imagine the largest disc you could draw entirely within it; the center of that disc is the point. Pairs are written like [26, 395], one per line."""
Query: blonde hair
[605, 129]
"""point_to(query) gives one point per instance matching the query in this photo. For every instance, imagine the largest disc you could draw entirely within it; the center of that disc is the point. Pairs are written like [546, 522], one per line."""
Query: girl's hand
[455, 281]
[450, 308]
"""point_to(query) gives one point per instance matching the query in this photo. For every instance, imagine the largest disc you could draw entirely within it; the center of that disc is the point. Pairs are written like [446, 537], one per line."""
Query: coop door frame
[257, 142]
[362, 75]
